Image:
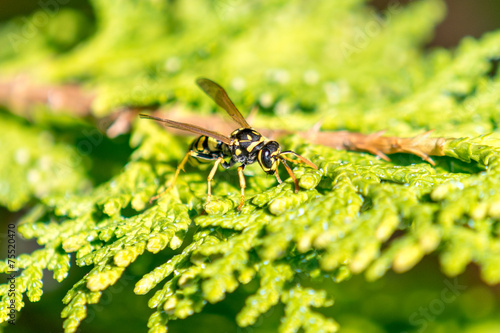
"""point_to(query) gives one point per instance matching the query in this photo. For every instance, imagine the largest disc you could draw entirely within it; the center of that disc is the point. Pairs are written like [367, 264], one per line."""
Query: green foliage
[335, 61]
[36, 165]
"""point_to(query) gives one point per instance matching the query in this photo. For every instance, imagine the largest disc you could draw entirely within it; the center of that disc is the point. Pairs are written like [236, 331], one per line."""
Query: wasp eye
[267, 161]
[268, 157]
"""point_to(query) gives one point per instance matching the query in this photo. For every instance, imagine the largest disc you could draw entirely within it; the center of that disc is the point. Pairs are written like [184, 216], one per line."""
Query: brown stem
[20, 95]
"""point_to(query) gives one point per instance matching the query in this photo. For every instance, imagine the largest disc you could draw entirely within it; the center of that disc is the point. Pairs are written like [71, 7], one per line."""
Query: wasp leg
[278, 176]
[211, 176]
[301, 159]
[171, 183]
[243, 184]
[290, 172]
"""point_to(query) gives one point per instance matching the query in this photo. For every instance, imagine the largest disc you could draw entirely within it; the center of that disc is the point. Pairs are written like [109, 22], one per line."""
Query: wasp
[244, 146]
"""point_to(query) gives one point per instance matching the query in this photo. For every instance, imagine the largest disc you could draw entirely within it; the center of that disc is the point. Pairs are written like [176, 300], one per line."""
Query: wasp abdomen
[208, 149]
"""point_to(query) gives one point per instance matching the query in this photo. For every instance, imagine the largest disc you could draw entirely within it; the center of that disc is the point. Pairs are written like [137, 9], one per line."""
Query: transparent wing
[189, 128]
[219, 95]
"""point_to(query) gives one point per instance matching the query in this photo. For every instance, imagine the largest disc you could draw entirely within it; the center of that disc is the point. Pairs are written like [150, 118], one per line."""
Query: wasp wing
[189, 128]
[219, 95]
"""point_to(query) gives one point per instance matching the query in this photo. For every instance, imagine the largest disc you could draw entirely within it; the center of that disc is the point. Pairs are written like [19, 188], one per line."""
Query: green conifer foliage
[280, 262]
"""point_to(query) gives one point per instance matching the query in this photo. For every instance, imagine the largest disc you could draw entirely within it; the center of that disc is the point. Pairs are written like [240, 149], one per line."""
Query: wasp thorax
[268, 157]
[246, 143]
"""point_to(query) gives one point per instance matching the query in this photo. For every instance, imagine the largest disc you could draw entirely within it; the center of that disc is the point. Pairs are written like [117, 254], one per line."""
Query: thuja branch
[20, 95]
[421, 145]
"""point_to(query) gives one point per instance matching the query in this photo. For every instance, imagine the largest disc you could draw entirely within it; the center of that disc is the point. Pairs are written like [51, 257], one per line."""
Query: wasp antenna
[290, 172]
[301, 158]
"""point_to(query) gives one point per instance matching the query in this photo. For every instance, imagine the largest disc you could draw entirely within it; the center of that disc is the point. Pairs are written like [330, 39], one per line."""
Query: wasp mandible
[244, 146]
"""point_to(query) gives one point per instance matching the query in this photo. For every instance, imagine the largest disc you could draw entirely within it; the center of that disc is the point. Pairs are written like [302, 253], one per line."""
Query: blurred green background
[464, 18]
[421, 300]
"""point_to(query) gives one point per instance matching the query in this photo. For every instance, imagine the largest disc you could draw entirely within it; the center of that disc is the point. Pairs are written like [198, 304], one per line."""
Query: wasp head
[269, 157]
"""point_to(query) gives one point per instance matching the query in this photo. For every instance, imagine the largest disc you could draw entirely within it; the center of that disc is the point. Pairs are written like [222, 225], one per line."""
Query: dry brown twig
[20, 95]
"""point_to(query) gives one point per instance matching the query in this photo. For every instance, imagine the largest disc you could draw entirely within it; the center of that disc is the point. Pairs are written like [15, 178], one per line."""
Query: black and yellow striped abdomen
[207, 149]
